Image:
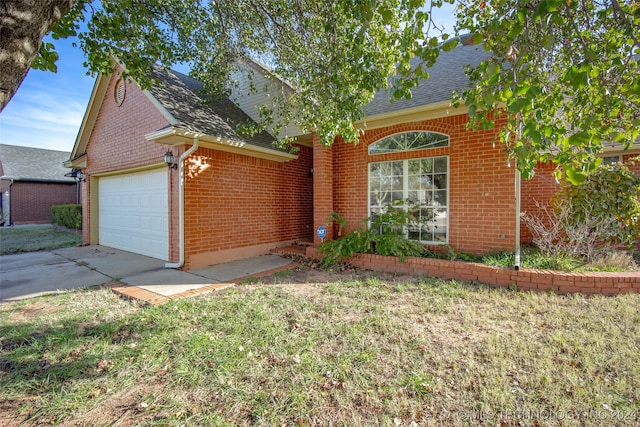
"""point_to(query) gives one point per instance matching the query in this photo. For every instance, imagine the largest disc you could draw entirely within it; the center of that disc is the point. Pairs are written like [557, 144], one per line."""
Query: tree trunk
[23, 25]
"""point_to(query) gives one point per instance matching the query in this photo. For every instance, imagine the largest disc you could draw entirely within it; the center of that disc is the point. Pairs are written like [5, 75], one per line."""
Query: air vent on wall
[119, 92]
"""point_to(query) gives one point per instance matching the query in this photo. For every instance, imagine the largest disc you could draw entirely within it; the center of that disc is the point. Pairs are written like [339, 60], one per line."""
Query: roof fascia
[76, 162]
[423, 112]
[178, 136]
[90, 116]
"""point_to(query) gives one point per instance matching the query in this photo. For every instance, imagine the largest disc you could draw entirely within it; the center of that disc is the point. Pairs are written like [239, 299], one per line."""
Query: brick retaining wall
[524, 279]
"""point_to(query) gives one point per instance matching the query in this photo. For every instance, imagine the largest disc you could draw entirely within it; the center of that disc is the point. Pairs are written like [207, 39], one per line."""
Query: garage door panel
[133, 212]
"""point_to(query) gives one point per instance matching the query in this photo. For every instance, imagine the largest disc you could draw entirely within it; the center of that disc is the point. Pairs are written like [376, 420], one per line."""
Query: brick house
[239, 196]
[31, 181]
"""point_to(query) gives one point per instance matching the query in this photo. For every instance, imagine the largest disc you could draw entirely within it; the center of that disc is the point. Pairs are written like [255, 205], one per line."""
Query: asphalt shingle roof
[182, 97]
[446, 76]
[28, 163]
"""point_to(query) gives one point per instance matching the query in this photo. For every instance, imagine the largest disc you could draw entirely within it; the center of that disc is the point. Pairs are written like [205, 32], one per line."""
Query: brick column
[322, 188]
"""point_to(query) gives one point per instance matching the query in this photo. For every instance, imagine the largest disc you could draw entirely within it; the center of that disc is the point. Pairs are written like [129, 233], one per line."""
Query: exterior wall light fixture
[169, 160]
[76, 174]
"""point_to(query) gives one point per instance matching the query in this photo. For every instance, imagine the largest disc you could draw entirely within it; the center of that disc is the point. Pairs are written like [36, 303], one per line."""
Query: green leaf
[579, 139]
[575, 176]
[450, 44]
[548, 41]
[387, 16]
[492, 70]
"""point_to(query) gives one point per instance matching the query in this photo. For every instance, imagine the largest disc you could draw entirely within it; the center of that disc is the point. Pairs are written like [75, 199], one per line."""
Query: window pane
[397, 182]
[408, 141]
[440, 234]
[440, 165]
[440, 198]
[440, 219]
[610, 160]
[414, 167]
[426, 182]
[414, 182]
[427, 165]
[440, 181]
[397, 197]
[398, 169]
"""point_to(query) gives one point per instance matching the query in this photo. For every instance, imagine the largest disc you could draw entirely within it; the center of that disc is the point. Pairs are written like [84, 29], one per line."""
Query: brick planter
[524, 279]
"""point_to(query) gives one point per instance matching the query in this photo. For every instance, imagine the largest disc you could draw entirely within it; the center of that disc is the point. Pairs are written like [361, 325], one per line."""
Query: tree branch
[22, 28]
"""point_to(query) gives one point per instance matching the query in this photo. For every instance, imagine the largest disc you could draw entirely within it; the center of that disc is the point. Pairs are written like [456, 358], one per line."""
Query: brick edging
[524, 279]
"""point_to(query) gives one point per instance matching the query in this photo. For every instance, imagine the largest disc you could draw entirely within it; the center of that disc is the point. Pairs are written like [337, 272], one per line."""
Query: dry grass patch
[321, 348]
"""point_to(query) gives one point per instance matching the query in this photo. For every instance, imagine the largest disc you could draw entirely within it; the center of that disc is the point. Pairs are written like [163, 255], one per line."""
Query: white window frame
[405, 192]
[611, 157]
[395, 135]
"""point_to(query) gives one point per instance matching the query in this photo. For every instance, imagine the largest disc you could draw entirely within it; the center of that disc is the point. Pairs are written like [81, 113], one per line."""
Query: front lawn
[35, 238]
[318, 348]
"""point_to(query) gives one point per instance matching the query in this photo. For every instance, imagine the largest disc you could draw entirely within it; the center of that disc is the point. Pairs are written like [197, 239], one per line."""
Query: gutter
[194, 147]
[41, 180]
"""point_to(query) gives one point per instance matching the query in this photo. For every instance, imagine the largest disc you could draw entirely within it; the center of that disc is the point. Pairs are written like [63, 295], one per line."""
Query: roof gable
[188, 112]
[181, 96]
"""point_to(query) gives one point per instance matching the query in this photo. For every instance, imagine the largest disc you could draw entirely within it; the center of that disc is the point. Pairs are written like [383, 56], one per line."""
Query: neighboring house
[32, 180]
[240, 196]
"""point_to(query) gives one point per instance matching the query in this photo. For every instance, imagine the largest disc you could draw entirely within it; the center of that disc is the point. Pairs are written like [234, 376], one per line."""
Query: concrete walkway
[136, 276]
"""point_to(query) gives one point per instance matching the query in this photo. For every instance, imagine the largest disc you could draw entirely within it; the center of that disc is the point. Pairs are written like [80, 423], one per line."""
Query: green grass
[35, 238]
[349, 350]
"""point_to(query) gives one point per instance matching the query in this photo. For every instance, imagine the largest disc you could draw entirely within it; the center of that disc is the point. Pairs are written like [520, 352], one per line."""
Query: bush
[589, 220]
[609, 196]
[384, 237]
[69, 216]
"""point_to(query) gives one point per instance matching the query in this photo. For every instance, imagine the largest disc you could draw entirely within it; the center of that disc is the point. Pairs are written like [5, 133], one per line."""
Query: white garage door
[133, 212]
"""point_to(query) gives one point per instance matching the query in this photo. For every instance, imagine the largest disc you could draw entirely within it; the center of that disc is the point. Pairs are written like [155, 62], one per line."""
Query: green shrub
[385, 237]
[610, 195]
[69, 216]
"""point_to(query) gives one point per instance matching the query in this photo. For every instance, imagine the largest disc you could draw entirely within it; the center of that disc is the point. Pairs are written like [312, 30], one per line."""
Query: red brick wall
[538, 190]
[635, 167]
[482, 186]
[524, 279]
[31, 201]
[323, 188]
[235, 201]
[117, 142]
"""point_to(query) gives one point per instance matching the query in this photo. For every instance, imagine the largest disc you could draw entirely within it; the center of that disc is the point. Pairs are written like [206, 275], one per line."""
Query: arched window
[408, 141]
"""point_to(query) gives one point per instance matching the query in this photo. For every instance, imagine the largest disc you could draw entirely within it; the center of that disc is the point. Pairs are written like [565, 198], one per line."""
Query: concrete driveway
[36, 273]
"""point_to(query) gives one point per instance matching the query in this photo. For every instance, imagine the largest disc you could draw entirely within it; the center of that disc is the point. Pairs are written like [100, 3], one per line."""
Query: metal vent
[119, 92]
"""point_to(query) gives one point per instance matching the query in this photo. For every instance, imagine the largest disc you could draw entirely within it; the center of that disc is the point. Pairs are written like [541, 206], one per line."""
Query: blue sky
[47, 110]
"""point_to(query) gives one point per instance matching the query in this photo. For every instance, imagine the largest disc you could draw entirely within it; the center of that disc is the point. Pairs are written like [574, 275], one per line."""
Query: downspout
[194, 147]
[10, 204]
[518, 179]
[514, 56]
